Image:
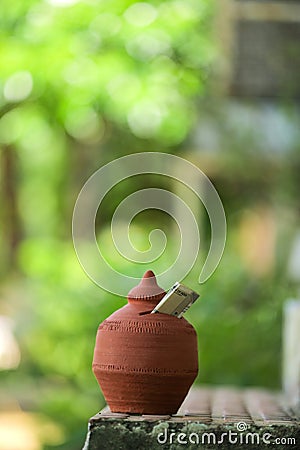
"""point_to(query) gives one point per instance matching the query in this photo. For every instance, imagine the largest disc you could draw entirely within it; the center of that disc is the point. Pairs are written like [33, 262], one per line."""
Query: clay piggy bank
[145, 363]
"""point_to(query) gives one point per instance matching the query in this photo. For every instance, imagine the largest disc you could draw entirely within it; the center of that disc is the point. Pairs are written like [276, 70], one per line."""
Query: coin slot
[143, 313]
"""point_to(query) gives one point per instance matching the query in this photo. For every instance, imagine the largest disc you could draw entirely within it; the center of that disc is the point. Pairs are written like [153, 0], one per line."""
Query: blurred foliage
[138, 65]
[81, 83]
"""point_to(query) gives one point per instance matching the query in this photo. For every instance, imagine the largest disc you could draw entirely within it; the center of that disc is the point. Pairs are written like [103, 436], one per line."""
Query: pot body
[145, 363]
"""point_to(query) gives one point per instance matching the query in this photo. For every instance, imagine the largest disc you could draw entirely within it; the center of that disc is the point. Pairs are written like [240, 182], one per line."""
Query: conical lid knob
[147, 289]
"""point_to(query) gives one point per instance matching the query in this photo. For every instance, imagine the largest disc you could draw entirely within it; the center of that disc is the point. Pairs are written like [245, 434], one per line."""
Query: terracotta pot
[145, 363]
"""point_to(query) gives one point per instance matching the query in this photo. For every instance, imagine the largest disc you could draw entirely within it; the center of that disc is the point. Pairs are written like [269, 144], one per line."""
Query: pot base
[144, 393]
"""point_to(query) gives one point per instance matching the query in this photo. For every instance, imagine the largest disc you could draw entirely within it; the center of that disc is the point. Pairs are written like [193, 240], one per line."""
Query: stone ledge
[208, 418]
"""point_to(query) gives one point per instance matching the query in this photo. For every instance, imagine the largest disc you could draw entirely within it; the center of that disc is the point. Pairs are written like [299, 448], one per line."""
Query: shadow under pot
[145, 363]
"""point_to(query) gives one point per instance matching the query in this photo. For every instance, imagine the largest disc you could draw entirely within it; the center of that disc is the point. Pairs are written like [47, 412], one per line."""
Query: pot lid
[147, 289]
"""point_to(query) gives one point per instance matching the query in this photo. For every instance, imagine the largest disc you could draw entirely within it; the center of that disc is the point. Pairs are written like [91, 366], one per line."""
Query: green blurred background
[85, 82]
